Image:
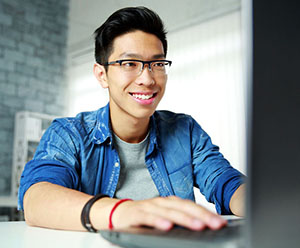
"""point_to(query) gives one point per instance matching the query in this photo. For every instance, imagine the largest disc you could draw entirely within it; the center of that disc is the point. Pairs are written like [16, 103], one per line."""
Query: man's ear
[100, 74]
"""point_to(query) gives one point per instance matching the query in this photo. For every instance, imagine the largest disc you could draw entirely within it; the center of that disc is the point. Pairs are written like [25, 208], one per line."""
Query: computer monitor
[273, 123]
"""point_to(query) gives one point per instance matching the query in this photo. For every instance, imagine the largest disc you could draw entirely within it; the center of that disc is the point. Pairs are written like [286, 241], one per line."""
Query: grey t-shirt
[135, 181]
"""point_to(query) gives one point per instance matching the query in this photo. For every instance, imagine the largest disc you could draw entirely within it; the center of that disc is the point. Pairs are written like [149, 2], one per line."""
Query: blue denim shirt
[79, 153]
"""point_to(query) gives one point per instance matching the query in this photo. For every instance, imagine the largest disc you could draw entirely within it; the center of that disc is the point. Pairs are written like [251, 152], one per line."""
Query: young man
[127, 149]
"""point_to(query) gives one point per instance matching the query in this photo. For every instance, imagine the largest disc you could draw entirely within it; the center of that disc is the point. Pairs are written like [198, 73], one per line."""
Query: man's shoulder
[83, 122]
[167, 120]
[172, 117]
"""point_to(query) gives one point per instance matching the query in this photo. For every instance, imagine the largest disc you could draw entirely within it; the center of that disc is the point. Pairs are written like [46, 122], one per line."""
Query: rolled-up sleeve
[215, 177]
[55, 161]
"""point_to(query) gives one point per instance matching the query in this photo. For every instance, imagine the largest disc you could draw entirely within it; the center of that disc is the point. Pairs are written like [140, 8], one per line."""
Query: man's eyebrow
[158, 56]
[138, 56]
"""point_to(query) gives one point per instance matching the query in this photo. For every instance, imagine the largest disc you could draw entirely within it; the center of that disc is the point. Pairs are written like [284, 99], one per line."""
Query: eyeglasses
[135, 66]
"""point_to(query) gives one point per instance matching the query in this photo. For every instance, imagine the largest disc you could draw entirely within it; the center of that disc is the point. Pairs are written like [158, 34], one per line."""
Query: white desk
[20, 235]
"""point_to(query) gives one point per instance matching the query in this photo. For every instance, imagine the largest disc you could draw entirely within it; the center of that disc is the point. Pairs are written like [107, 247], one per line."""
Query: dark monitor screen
[273, 124]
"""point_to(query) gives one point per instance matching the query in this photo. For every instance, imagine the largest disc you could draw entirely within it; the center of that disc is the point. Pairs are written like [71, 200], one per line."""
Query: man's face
[134, 96]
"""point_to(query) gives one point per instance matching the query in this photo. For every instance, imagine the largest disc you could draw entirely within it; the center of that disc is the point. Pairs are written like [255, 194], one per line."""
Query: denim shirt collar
[103, 131]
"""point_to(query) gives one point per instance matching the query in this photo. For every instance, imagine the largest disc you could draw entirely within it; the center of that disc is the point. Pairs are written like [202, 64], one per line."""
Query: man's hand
[164, 213]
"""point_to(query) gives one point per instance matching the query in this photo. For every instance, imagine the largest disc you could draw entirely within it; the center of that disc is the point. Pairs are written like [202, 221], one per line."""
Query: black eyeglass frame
[120, 61]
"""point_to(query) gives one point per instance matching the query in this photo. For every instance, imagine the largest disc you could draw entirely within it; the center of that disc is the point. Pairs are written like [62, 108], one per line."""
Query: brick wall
[33, 36]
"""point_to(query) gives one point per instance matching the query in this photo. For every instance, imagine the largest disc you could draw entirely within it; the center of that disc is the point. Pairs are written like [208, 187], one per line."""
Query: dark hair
[124, 21]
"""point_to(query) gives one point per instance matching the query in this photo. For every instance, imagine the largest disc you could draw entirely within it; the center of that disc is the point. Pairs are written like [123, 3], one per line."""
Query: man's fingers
[164, 219]
[156, 221]
[212, 220]
[181, 218]
[192, 214]
[142, 218]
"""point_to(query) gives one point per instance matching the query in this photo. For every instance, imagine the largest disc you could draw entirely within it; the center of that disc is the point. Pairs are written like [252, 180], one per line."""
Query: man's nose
[146, 75]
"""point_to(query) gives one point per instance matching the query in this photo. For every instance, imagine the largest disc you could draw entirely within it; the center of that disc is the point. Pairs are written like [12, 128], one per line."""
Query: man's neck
[129, 128]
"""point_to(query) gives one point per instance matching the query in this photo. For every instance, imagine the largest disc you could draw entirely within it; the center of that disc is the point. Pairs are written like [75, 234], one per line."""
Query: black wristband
[85, 214]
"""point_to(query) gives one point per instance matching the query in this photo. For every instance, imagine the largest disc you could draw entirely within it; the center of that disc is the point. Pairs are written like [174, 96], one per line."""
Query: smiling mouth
[143, 96]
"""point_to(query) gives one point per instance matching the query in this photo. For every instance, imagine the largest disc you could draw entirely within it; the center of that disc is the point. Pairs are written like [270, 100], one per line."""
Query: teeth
[143, 97]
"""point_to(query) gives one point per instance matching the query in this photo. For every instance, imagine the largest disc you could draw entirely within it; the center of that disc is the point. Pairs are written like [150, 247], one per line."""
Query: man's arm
[237, 201]
[53, 206]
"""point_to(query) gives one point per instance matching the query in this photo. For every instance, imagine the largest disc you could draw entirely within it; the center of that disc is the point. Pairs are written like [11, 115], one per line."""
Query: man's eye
[129, 64]
[159, 64]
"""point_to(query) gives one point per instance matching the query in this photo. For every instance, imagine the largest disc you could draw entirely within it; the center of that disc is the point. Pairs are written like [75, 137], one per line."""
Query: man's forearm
[237, 201]
[57, 207]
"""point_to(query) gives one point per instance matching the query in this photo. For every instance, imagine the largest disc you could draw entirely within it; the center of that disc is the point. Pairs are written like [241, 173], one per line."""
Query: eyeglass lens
[157, 67]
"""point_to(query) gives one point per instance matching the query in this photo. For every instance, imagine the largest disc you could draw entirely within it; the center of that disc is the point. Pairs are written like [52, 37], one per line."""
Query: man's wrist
[99, 213]
[85, 213]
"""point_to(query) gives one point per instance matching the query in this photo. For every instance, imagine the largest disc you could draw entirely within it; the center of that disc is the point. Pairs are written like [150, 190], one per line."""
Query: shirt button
[116, 164]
